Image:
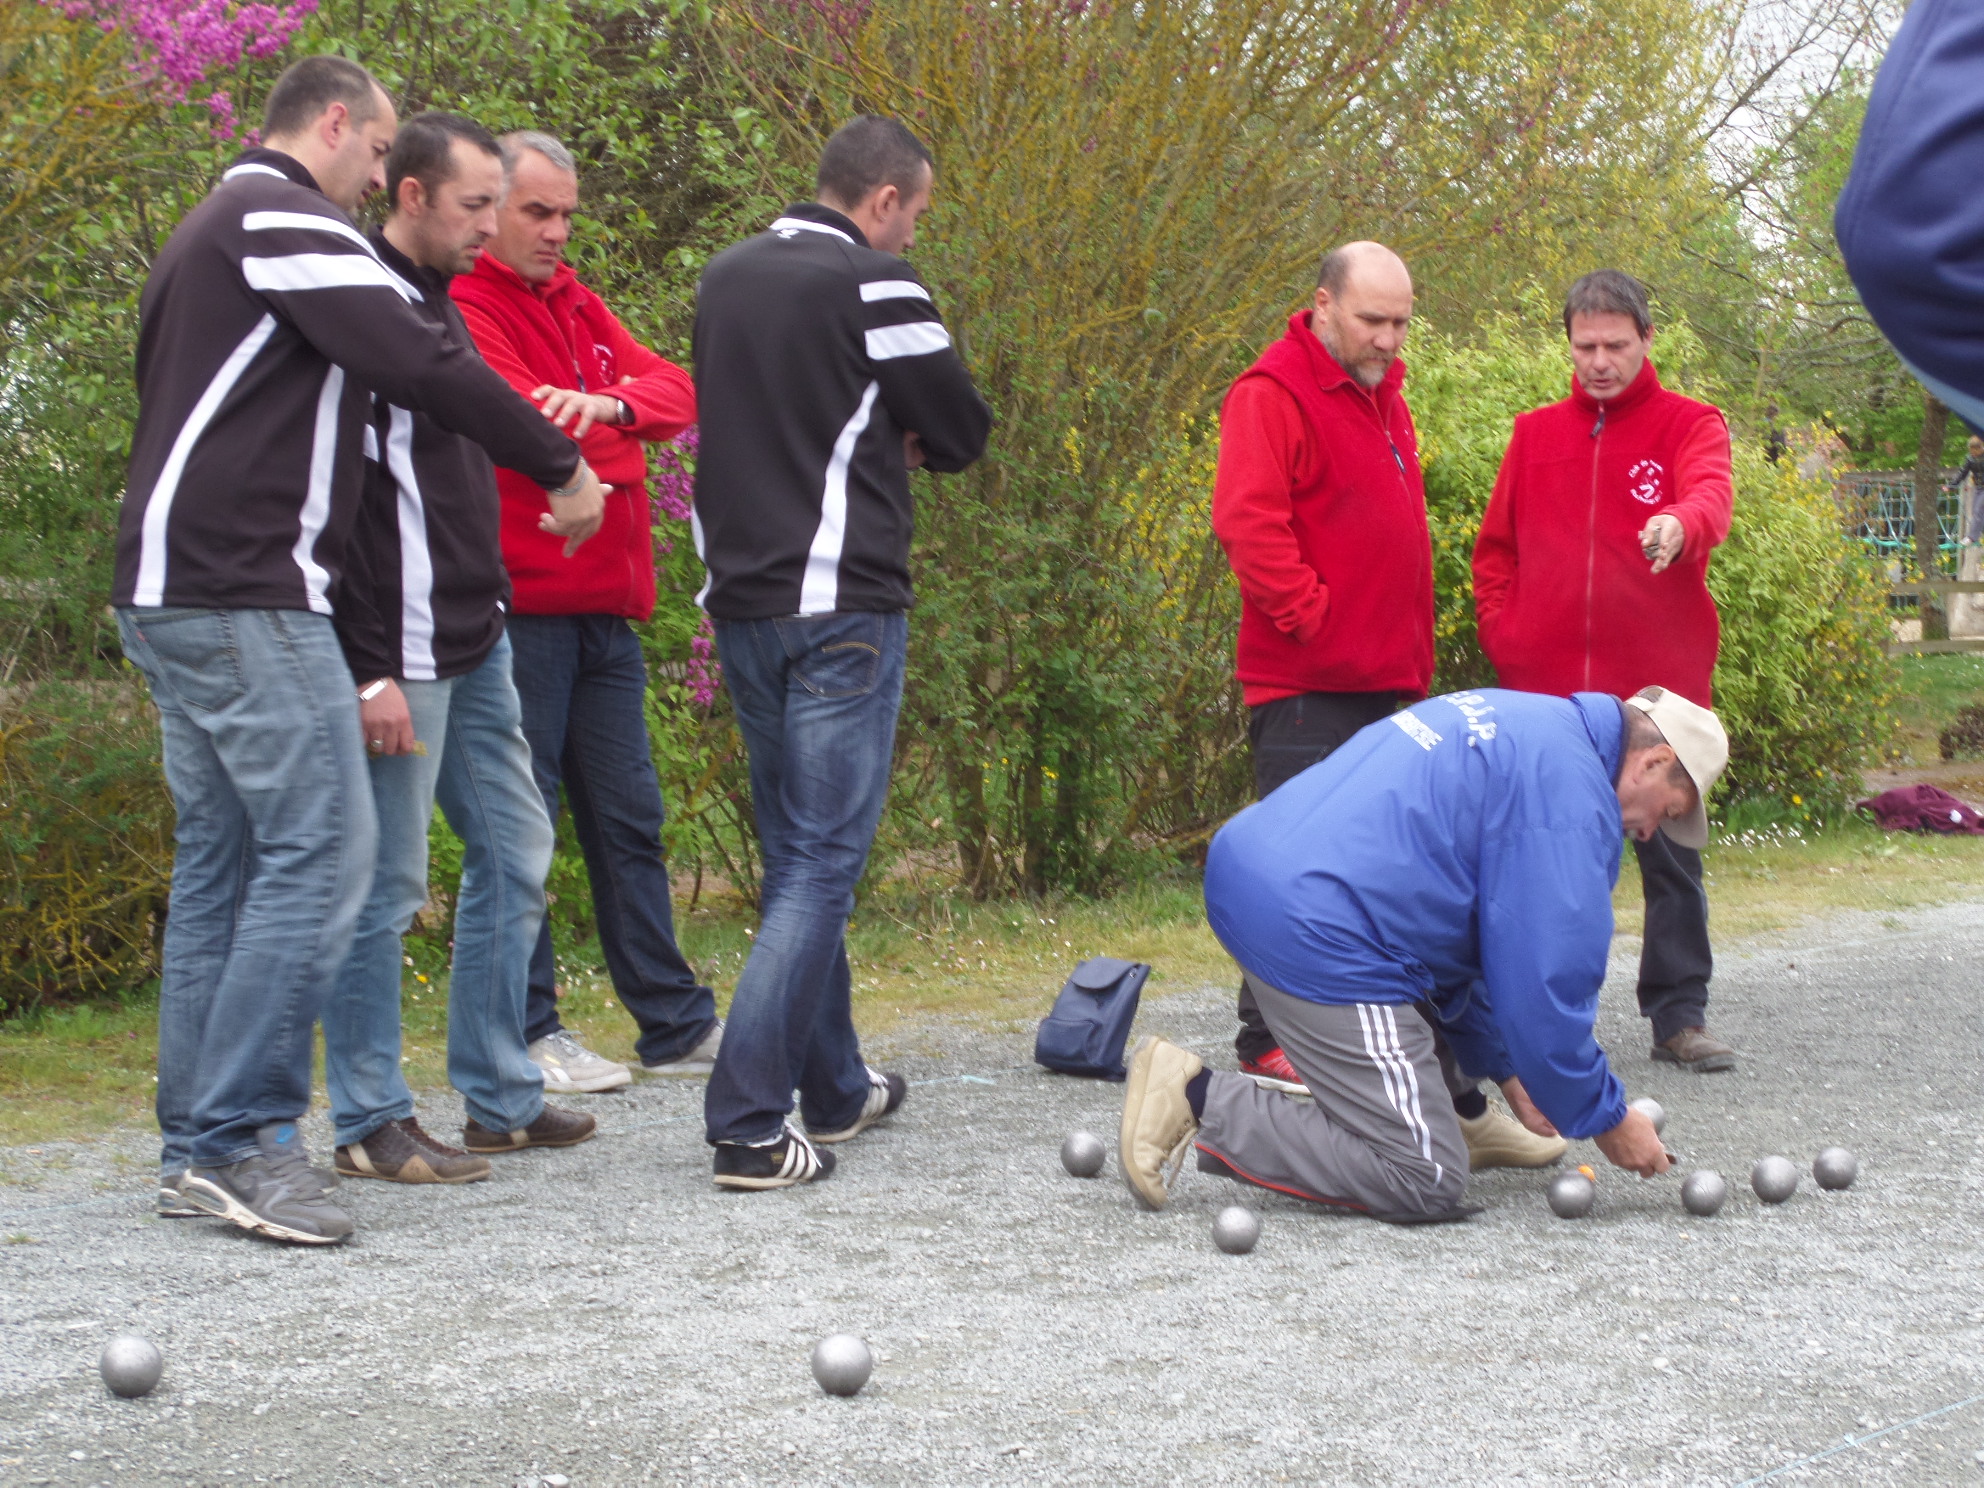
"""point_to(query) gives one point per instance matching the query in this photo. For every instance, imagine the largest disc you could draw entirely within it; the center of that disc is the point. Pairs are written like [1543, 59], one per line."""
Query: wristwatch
[571, 487]
[372, 689]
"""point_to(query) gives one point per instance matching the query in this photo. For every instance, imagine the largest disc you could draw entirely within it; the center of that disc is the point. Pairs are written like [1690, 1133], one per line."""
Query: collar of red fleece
[1637, 392]
[490, 267]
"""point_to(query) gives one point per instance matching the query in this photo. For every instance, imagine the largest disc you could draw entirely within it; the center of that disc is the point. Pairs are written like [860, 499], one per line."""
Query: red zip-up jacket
[1564, 598]
[1319, 505]
[561, 333]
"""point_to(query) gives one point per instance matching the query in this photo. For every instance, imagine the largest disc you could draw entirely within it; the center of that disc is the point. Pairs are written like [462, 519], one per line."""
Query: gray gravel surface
[604, 1315]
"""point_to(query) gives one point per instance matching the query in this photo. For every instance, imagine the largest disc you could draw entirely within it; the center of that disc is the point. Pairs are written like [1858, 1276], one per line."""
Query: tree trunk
[1928, 527]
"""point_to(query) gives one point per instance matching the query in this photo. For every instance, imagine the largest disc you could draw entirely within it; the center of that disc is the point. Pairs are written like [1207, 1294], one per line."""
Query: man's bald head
[1363, 306]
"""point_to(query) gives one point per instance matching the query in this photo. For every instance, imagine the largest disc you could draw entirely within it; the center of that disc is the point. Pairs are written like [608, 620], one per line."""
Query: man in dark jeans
[824, 375]
[579, 670]
[1319, 505]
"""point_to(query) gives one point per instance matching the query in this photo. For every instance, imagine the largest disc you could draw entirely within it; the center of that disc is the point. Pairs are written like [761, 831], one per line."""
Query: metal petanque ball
[1774, 1179]
[1835, 1167]
[842, 1364]
[1236, 1230]
[1652, 1109]
[1572, 1195]
[130, 1365]
[1703, 1192]
[1083, 1154]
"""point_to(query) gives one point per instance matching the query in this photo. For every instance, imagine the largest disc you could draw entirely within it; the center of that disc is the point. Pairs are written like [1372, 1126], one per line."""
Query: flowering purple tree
[672, 488]
[179, 45]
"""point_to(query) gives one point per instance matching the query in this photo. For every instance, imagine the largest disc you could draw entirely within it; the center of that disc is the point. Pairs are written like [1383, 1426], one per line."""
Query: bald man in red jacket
[1319, 505]
[1591, 575]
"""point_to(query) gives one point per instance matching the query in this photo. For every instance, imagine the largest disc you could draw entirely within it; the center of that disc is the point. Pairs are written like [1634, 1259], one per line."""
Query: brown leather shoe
[400, 1152]
[557, 1127]
[1693, 1049]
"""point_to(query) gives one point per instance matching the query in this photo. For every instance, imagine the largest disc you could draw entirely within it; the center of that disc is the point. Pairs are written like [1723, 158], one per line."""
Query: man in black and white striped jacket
[267, 323]
[824, 374]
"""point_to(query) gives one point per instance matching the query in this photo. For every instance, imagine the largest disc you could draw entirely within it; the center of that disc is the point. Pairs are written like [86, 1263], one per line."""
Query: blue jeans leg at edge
[479, 767]
[816, 699]
[275, 849]
[583, 687]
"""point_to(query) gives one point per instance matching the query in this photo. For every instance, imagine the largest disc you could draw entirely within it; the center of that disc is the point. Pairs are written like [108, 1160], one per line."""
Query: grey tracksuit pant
[1380, 1137]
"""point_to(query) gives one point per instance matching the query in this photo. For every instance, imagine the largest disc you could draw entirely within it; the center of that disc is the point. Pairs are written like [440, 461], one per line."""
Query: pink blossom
[671, 487]
[179, 44]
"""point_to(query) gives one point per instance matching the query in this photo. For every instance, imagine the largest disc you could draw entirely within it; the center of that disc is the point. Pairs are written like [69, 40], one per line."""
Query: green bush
[85, 841]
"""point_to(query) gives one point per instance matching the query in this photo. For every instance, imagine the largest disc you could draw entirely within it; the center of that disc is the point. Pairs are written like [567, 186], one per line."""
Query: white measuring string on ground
[1852, 1442]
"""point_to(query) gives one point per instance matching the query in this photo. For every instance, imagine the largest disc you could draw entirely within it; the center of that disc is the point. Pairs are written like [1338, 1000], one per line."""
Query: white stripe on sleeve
[149, 588]
[919, 338]
[785, 227]
[300, 271]
[819, 591]
[304, 222]
[317, 499]
[251, 169]
[893, 289]
[416, 561]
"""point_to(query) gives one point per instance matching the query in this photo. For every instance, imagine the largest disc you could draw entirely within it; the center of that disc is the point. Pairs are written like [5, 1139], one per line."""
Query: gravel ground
[604, 1315]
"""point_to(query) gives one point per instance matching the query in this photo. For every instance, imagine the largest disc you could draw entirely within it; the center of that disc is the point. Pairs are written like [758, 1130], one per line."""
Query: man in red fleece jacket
[578, 665]
[1591, 574]
[1319, 505]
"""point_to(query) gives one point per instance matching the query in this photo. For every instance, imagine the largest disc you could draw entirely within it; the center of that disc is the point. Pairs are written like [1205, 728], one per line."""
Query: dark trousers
[583, 687]
[1287, 736]
[1675, 961]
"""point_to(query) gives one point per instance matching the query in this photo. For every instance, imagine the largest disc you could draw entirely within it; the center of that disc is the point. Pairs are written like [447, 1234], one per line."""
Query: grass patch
[1930, 692]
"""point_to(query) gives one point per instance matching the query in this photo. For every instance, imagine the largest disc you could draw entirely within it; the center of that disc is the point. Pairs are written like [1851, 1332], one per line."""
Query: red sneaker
[1273, 1070]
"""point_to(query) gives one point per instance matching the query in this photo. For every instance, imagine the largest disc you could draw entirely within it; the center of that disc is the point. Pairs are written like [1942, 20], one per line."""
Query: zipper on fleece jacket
[1591, 542]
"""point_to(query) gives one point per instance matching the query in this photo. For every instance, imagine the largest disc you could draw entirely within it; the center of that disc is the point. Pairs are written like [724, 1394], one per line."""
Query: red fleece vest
[1585, 612]
[1359, 519]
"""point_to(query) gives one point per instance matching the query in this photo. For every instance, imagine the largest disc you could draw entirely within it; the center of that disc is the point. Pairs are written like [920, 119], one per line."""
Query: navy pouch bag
[1090, 1023]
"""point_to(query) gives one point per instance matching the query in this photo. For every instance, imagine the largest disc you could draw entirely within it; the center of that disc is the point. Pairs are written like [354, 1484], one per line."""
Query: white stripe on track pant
[1379, 1138]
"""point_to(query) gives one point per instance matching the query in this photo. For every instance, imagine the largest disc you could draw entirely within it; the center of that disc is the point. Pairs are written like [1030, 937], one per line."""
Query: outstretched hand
[1525, 1109]
[1635, 1146]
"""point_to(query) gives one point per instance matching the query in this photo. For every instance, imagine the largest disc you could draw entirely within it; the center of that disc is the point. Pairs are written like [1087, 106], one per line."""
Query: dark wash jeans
[275, 842]
[1287, 736]
[1675, 960]
[583, 688]
[816, 700]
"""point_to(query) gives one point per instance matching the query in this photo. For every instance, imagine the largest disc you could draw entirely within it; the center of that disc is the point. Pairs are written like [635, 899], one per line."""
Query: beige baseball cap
[1702, 746]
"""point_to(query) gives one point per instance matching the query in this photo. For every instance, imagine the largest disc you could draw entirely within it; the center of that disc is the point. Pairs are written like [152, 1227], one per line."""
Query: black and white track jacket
[424, 591]
[265, 326]
[814, 353]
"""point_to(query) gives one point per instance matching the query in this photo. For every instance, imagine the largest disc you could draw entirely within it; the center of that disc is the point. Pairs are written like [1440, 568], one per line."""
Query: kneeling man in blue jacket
[1452, 864]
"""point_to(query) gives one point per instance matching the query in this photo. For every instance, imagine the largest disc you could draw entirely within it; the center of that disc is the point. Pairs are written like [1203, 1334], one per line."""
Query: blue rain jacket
[1910, 223]
[1460, 853]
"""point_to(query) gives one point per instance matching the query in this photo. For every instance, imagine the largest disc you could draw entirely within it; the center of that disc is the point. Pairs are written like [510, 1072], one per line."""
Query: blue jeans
[584, 691]
[275, 844]
[478, 767]
[816, 699]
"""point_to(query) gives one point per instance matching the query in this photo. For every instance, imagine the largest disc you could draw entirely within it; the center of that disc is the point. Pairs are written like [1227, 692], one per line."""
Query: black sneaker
[275, 1192]
[791, 1159]
[885, 1093]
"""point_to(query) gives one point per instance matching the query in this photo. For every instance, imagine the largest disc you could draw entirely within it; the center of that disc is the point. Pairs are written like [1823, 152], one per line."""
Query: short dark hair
[867, 153]
[309, 87]
[1608, 292]
[424, 149]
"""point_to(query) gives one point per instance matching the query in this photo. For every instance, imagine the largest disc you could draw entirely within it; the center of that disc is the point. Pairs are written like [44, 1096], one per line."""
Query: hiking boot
[1158, 1124]
[885, 1093]
[1498, 1141]
[698, 1061]
[1693, 1049]
[272, 1192]
[1272, 1071]
[400, 1152]
[570, 1068]
[788, 1160]
[557, 1127]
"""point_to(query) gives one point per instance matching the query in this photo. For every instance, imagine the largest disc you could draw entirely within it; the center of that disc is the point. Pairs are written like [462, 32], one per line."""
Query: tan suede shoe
[1498, 1141]
[1158, 1124]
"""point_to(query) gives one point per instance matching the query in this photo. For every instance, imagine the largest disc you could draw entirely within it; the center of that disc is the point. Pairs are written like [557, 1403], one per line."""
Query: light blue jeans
[275, 845]
[477, 766]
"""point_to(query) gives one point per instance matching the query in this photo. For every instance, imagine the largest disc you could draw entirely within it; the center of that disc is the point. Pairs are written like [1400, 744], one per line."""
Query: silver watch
[572, 486]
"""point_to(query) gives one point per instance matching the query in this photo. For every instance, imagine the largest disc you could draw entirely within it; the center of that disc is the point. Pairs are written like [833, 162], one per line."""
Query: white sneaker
[570, 1068]
[698, 1061]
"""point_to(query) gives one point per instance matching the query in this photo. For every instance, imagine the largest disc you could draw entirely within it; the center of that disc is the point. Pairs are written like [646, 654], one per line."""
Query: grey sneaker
[698, 1061]
[172, 1198]
[570, 1068]
[273, 1192]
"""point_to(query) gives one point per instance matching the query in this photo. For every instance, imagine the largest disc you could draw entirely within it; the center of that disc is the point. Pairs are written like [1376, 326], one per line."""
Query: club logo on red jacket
[1645, 480]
